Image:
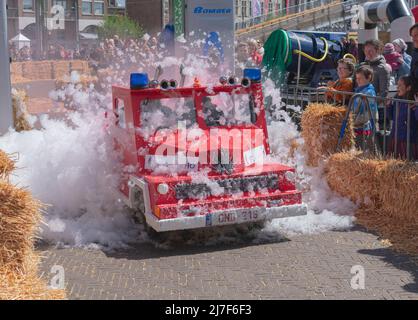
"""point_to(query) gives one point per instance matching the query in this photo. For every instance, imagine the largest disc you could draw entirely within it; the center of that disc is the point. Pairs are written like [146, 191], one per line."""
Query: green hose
[277, 55]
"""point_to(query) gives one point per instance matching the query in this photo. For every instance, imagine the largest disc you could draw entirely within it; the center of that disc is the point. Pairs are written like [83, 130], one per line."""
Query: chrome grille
[231, 186]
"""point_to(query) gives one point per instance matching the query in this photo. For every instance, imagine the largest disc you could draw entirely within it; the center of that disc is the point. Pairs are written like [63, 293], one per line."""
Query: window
[98, 8]
[86, 8]
[244, 8]
[27, 5]
[228, 110]
[120, 113]
[262, 8]
[270, 6]
[62, 3]
[117, 3]
[237, 8]
[165, 114]
[121, 3]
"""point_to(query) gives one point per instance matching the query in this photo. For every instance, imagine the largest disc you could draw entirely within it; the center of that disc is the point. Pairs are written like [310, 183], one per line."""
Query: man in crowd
[381, 71]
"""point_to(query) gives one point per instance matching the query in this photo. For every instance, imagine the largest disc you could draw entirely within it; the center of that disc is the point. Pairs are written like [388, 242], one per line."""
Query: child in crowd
[345, 72]
[363, 123]
[393, 58]
[398, 112]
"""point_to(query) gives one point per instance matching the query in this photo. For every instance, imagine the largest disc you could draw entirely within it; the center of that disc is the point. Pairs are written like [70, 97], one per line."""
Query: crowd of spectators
[383, 66]
[101, 53]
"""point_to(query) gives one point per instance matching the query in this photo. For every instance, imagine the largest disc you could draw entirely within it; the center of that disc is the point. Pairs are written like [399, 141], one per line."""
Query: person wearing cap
[400, 47]
[393, 58]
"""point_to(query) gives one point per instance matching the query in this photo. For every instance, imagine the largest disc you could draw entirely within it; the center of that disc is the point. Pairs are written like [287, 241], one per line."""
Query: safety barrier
[380, 122]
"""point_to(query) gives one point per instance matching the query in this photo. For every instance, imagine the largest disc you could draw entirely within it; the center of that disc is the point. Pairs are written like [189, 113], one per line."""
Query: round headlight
[162, 188]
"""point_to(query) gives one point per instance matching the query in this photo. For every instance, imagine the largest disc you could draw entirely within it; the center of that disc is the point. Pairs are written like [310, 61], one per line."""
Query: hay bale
[354, 177]
[16, 69]
[60, 69]
[387, 184]
[37, 70]
[386, 192]
[83, 80]
[7, 165]
[20, 111]
[81, 66]
[15, 79]
[401, 233]
[19, 219]
[398, 189]
[321, 124]
[15, 286]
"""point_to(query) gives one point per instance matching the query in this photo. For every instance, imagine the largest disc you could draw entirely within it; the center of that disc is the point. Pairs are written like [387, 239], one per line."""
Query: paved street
[298, 267]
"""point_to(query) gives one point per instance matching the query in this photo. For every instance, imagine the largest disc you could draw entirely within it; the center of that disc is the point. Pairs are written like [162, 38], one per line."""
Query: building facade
[81, 17]
[63, 20]
[251, 9]
[150, 14]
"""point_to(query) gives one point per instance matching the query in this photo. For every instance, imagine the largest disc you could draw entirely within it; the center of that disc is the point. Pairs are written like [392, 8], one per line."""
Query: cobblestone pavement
[300, 267]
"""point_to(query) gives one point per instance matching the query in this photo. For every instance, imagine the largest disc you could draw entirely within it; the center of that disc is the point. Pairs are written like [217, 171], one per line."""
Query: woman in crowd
[398, 112]
[381, 72]
[345, 72]
[363, 126]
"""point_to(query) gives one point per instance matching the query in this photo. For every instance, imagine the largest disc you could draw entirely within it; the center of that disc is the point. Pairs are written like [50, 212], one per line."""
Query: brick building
[80, 17]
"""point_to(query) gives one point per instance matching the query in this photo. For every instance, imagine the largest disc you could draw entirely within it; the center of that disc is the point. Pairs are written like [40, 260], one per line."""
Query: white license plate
[237, 216]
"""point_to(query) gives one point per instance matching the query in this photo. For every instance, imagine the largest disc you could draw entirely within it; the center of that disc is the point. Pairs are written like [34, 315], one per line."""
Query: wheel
[139, 216]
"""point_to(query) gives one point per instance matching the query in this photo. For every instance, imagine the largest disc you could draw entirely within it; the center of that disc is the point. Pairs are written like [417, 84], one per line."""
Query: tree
[122, 26]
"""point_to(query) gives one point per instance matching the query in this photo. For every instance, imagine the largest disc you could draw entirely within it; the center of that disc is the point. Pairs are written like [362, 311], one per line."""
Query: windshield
[159, 114]
[227, 109]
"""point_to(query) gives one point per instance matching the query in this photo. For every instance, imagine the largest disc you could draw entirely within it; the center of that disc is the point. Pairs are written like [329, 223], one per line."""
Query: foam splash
[73, 170]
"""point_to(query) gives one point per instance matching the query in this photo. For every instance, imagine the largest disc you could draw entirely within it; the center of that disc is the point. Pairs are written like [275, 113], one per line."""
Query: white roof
[20, 37]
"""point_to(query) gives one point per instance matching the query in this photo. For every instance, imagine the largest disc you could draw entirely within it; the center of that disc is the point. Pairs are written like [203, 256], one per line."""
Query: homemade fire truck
[176, 180]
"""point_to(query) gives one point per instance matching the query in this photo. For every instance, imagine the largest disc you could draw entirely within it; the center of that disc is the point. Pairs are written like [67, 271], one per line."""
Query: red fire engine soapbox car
[196, 155]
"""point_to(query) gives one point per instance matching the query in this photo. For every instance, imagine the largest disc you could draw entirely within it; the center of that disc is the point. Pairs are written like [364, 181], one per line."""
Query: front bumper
[226, 217]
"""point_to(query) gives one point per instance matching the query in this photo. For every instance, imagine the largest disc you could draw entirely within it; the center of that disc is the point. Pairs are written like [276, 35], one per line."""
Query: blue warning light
[139, 81]
[254, 74]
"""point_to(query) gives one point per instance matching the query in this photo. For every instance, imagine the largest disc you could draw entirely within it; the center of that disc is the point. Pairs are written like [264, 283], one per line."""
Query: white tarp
[20, 40]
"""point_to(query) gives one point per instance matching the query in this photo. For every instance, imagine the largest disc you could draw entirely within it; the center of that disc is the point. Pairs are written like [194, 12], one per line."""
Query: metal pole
[6, 111]
[77, 26]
